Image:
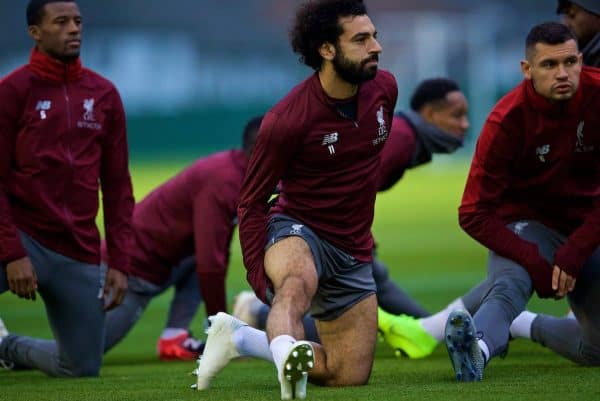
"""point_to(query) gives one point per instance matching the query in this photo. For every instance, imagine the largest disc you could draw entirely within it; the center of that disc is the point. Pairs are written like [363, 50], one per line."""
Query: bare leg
[345, 357]
[290, 266]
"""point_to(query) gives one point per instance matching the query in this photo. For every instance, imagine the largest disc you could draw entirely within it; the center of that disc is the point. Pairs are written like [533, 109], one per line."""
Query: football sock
[484, 350]
[280, 346]
[521, 326]
[171, 332]
[436, 323]
[252, 342]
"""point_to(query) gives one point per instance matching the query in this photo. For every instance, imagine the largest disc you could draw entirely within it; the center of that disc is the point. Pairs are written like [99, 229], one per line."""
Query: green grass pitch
[419, 239]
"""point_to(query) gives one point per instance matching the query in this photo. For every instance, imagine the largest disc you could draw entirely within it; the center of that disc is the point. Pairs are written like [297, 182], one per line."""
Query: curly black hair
[317, 22]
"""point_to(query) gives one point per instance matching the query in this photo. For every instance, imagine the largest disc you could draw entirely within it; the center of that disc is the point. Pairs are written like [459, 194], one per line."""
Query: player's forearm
[484, 226]
[118, 210]
[11, 248]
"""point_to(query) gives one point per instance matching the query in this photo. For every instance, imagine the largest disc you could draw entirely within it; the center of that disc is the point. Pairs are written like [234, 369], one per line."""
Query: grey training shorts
[343, 280]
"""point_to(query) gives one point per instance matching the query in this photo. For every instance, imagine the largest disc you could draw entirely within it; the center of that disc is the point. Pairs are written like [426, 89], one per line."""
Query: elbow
[466, 219]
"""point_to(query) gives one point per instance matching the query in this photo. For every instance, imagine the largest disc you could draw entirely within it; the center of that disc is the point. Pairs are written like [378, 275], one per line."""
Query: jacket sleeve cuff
[12, 252]
[569, 259]
[119, 264]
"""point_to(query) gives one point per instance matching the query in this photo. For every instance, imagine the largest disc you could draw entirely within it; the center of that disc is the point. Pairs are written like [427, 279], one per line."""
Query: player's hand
[21, 278]
[562, 282]
[114, 289]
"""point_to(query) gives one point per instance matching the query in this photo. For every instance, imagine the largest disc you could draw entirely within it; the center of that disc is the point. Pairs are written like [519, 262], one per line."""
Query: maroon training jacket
[538, 160]
[327, 167]
[192, 213]
[62, 136]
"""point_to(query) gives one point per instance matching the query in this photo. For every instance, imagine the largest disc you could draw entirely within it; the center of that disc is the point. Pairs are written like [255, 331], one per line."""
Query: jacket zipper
[68, 153]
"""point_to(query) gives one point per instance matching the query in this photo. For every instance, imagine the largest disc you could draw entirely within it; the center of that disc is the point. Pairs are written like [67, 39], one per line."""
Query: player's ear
[327, 51]
[526, 69]
[34, 32]
[426, 112]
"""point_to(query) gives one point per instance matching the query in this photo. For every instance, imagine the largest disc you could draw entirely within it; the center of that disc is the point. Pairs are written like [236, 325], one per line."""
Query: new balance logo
[329, 140]
[43, 106]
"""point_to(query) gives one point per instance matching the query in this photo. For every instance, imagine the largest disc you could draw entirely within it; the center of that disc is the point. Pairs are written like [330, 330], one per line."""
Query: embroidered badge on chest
[580, 146]
[382, 132]
[542, 151]
[88, 106]
[89, 118]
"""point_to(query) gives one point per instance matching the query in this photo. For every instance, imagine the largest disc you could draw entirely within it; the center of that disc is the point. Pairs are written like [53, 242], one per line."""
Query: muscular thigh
[291, 257]
[349, 343]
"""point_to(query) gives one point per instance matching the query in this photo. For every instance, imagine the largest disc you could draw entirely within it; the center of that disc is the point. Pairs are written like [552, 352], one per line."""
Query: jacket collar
[317, 88]
[555, 108]
[54, 70]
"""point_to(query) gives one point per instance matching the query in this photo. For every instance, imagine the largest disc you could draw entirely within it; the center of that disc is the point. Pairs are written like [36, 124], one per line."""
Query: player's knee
[347, 379]
[512, 292]
[87, 368]
[514, 287]
[590, 354]
[79, 372]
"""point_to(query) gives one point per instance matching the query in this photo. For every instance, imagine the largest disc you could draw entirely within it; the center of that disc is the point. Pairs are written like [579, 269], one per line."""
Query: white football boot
[219, 349]
[293, 374]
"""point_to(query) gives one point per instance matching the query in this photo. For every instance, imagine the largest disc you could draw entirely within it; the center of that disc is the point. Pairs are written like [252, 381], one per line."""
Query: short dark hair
[550, 33]
[590, 6]
[317, 22]
[251, 131]
[432, 90]
[35, 10]
[562, 6]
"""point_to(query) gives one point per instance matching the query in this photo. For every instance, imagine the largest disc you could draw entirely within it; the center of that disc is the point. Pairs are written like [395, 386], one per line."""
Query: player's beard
[353, 72]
